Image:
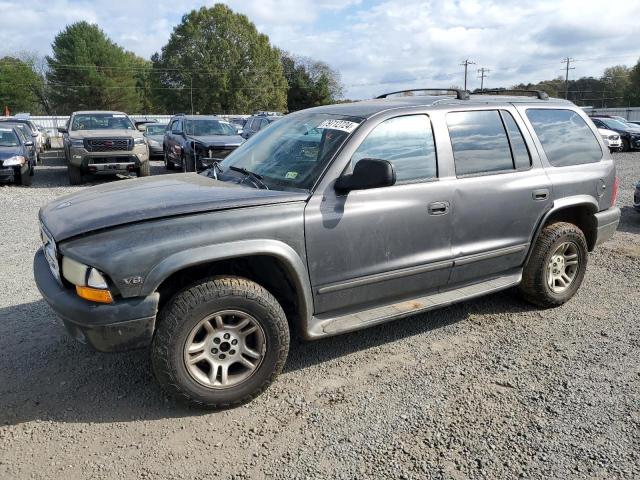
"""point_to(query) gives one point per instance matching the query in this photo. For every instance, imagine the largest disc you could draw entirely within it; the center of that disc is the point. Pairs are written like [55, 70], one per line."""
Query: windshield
[101, 121]
[615, 124]
[155, 129]
[204, 128]
[8, 138]
[293, 151]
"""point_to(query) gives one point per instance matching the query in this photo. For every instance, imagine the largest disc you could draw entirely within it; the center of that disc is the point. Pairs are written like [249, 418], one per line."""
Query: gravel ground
[492, 388]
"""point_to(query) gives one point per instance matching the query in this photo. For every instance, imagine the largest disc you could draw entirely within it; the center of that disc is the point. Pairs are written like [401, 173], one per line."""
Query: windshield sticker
[291, 175]
[342, 125]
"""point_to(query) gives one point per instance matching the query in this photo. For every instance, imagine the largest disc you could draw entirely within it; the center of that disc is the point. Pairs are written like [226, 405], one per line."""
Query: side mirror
[368, 173]
[141, 127]
[28, 144]
[63, 130]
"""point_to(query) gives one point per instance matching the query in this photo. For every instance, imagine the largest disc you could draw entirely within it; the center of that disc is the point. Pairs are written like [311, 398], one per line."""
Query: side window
[479, 141]
[249, 125]
[407, 142]
[565, 137]
[519, 150]
[263, 123]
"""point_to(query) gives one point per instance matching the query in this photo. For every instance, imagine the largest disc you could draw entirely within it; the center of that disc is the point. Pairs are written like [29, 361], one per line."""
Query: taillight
[614, 192]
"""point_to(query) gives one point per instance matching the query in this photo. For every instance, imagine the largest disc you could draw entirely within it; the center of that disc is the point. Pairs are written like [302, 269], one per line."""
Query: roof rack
[460, 94]
[538, 93]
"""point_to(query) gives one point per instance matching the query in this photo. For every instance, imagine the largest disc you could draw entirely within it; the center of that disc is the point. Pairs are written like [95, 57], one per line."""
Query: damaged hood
[219, 140]
[104, 133]
[128, 201]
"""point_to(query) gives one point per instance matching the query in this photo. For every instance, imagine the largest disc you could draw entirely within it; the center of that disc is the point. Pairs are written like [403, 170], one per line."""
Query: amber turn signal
[94, 294]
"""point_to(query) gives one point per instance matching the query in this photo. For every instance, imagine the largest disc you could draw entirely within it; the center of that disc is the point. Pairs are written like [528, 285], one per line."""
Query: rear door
[500, 195]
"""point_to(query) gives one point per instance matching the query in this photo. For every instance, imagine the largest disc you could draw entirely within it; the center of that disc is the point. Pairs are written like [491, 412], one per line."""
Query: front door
[371, 247]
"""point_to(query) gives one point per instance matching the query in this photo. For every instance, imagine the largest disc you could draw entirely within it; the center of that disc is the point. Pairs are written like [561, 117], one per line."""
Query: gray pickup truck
[101, 142]
[333, 219]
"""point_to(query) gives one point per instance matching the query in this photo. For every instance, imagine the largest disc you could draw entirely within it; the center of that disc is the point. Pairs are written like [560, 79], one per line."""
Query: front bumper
[12, 173]
[126, 324]
[108, 162]
[607, 224]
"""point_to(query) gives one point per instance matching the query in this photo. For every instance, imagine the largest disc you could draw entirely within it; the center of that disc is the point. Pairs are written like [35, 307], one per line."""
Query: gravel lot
[491, 388]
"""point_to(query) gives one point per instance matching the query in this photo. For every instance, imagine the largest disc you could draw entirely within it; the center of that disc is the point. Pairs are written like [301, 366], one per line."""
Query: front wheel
[556, 267]
[168, 164]
[626, 146]
[75, 174]
[220, 342]
[144, 170]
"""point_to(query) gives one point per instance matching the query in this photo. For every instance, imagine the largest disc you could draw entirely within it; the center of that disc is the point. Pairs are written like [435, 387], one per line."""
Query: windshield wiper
[254, 176]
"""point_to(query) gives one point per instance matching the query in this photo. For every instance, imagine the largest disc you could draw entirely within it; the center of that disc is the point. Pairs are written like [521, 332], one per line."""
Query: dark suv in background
[629, 134]
[196, 142]
[259, 121]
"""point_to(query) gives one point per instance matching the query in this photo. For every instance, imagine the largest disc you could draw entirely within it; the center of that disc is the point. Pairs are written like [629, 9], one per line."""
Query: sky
[377, 46]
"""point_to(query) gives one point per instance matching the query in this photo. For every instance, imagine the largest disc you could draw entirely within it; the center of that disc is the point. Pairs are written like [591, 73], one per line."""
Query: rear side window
[481, 143]
[565, 137]
[407, 142]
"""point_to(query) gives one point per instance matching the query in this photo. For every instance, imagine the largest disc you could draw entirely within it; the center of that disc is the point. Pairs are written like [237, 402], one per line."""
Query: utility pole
[466, 64]
[568, 61]
[482, 73]
[191, 77]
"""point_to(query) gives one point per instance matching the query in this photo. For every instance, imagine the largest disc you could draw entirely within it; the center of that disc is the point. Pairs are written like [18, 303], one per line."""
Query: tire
[626, 147]
[168, 164]
[181, 317]
[75, 175]
[25, 178]
[535, 286]
[144, 170]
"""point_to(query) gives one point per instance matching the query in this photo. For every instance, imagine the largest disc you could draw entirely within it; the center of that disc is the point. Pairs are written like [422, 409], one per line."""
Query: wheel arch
[578, 210]
[254, 259]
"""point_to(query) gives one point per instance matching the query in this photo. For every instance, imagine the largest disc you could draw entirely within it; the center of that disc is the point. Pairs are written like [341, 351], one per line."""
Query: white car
[611, 139]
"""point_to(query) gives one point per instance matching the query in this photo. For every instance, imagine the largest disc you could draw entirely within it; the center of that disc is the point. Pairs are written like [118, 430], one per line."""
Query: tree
[310, 83]
[19, 86]
[218, 62]
[633, 88]
[89, 71]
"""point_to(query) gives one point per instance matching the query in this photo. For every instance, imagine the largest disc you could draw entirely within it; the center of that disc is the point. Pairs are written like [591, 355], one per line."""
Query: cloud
[377, 45]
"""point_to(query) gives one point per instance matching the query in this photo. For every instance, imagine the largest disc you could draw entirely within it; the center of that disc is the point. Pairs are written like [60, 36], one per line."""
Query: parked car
[27, 139]
[46, 139]
[154, 133]
[197, 142]
[629, 135]
[258, 122]
[238, 123]
[15, 162]
[103, 142]
[34, 133]
[334, 219]
[611, 139]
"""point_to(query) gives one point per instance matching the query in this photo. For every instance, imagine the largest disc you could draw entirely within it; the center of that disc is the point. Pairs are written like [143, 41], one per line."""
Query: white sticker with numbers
[342, 125]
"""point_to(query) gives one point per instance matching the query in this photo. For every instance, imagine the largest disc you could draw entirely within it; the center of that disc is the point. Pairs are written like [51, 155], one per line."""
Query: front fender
[206, 254]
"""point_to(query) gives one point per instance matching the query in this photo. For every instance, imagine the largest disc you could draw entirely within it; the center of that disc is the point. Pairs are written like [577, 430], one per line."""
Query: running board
[322, 326]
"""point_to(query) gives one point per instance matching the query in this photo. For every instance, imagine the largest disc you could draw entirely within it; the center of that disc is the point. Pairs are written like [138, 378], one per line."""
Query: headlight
[16, 160]
[139, 141]
[90, 283]
[77, 143]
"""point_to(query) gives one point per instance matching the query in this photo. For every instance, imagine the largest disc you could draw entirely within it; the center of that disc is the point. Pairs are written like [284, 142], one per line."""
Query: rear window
[486, 141]
[565, 137]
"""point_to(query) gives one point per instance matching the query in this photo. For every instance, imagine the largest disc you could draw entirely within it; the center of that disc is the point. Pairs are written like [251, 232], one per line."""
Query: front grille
[217, 153]
[108, 144]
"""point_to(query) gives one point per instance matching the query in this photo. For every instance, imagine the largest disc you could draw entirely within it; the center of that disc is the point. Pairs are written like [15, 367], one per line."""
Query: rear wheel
[556, 267]
[75, 174]
[220, 343]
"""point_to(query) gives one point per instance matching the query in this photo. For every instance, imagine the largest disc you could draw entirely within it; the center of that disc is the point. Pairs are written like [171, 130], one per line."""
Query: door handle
[438, 208]
[541, 194]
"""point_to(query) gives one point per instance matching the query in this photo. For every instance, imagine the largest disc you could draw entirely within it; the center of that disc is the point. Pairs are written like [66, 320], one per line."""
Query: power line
[466, 64]
[482, 74]
[568, 61]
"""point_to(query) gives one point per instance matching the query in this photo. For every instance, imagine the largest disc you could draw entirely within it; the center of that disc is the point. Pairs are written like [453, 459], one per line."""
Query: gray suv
[103, 142]
[334, 219]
